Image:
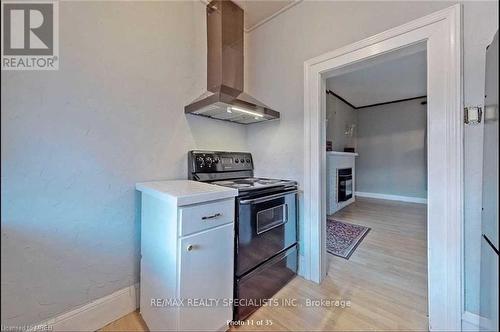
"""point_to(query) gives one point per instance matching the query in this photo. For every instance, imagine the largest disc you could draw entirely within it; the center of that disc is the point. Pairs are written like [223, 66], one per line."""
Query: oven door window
[272, 217]
[348, 188]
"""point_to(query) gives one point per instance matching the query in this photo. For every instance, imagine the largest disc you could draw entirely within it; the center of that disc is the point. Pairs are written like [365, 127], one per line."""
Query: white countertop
[339, 153]
[185, 192]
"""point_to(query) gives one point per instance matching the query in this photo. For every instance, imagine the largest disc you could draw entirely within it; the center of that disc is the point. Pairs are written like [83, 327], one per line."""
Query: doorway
[376, 187]
[441, 34]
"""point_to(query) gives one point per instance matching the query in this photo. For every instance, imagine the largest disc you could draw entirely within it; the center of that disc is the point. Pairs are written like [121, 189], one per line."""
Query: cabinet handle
[213, 216]
[190, 247]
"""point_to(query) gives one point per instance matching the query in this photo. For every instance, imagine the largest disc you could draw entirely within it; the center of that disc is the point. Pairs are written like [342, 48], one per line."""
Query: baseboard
[470, 321]
[98, 313]
[474, 322]
[392, 197]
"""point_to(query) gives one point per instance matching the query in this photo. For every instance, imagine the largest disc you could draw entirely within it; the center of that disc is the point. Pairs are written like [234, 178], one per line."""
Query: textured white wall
[392, 149]
[339, 116]
[275, 56]
[75, 142]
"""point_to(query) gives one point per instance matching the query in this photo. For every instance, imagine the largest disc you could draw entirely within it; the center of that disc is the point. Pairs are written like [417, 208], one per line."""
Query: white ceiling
[259, 11]
[390, 77]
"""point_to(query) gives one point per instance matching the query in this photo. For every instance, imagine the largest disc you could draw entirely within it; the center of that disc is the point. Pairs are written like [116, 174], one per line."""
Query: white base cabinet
[187, 257]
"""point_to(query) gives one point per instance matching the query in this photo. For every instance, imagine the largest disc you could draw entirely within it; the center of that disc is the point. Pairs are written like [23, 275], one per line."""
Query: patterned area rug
[343, 238]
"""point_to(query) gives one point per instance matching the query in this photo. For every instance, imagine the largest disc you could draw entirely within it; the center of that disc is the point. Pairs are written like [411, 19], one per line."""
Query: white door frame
[441, 31]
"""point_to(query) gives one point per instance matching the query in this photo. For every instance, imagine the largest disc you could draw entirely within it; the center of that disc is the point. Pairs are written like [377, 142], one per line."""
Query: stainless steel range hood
[225, 99]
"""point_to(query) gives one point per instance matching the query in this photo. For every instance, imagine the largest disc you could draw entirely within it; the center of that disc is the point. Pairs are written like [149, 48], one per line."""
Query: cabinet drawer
[199, 217]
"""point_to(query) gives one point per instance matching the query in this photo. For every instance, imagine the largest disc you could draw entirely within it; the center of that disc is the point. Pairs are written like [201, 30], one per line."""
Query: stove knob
[216, 160]
[201, 162]
[236, 161]
[248, 160]
[242, 160]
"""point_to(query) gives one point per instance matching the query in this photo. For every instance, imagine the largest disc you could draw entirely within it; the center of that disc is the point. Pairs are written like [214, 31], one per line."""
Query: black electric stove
[265, 225]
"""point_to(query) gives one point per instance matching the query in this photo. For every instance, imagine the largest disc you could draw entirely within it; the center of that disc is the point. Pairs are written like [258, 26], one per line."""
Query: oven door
[265, 226]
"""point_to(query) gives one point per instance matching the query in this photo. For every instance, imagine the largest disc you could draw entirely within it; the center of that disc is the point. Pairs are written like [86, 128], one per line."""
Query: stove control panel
[216, 162]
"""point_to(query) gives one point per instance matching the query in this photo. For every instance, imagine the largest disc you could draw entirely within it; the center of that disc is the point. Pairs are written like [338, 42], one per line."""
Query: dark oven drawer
[265, 226]
[263, 282]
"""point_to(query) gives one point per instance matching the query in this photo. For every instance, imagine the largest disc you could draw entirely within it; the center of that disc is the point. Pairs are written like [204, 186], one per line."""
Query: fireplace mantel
[339, 153]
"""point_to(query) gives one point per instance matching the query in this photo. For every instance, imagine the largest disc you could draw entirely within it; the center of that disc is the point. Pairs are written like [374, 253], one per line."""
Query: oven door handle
[267, 198]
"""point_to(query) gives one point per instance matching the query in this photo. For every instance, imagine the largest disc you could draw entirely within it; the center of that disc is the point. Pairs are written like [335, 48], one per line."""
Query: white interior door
[489, 220]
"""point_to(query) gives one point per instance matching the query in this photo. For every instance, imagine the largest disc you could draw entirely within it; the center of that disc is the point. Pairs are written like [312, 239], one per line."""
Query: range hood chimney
[225, 99]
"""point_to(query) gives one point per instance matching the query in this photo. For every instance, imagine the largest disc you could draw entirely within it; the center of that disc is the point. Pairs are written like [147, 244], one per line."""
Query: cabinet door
[206, 272]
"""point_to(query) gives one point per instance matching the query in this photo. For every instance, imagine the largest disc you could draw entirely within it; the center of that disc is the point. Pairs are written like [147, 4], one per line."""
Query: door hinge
[473, 115]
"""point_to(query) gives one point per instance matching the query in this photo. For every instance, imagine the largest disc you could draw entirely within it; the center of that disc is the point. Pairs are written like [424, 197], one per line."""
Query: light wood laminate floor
[385, 279]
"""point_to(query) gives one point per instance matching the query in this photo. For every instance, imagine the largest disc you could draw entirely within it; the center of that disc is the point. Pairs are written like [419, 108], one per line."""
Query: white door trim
[441, 31]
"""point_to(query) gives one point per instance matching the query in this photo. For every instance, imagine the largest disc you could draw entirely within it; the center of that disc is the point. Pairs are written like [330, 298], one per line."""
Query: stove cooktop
[233, 170]
[254, 183]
